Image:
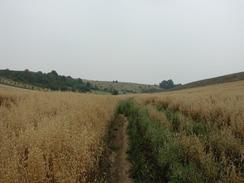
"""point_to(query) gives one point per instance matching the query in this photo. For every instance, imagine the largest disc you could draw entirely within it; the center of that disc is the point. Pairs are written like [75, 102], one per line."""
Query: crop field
[52, 137]
[192, 135]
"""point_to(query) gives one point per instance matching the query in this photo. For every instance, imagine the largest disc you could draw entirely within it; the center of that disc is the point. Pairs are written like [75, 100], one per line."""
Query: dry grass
[58, 137]
[52, 137]
[222, 105]
[210, 126]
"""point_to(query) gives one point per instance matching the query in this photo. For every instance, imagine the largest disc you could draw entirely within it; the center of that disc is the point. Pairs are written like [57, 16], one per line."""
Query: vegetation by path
[150, 163]
[161, 151]
[224, 160]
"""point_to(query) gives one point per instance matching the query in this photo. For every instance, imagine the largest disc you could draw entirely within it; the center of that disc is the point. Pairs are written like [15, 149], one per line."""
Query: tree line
[51, 80]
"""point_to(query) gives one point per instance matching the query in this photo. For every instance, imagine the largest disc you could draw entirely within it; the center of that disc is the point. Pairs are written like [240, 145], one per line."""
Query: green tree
[167, 84]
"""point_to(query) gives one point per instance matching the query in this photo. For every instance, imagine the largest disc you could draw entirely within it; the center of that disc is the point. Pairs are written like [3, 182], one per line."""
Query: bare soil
[120, 166]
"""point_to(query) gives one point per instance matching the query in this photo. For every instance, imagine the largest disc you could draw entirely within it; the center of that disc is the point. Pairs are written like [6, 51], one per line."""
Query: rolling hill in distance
[212, 81]
[53, 81]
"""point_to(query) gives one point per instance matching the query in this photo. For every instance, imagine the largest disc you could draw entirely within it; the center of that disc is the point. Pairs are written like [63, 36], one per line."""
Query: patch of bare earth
[120, 166]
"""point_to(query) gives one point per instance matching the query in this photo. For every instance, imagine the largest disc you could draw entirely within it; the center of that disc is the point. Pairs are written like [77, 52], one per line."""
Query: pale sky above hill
[143, 41]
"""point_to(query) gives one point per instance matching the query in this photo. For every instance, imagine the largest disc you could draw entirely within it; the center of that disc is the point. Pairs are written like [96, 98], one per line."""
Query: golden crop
[52, 136]
[210, 127]
[222, 105]
[58, 136]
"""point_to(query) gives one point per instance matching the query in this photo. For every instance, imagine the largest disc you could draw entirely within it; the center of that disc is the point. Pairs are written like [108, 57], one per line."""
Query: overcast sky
[143, 41]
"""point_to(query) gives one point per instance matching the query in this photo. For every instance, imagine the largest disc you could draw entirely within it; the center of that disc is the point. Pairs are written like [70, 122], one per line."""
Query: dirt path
[120, 166]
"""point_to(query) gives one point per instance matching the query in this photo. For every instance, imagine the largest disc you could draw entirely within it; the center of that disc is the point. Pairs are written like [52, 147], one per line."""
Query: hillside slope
[53, 81]
[211, 81]
[125, 87]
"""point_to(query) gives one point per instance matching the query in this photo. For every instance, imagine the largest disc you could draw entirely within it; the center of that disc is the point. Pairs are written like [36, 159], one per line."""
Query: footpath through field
[120, 166]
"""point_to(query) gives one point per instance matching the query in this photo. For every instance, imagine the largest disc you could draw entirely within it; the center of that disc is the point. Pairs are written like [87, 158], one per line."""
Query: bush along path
[165, 146]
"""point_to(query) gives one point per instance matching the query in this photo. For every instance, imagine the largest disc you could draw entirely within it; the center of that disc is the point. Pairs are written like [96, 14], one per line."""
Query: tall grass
[52, 137]
[167, 147]
[209, 122]
[154, 150]
[194, 135]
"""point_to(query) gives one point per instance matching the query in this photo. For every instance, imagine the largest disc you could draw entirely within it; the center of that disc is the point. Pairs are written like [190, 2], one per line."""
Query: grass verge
[171, 154]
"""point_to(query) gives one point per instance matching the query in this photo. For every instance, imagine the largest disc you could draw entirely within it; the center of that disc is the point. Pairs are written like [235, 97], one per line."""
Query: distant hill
[125, 87]
[54, 81]
[216, 80]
